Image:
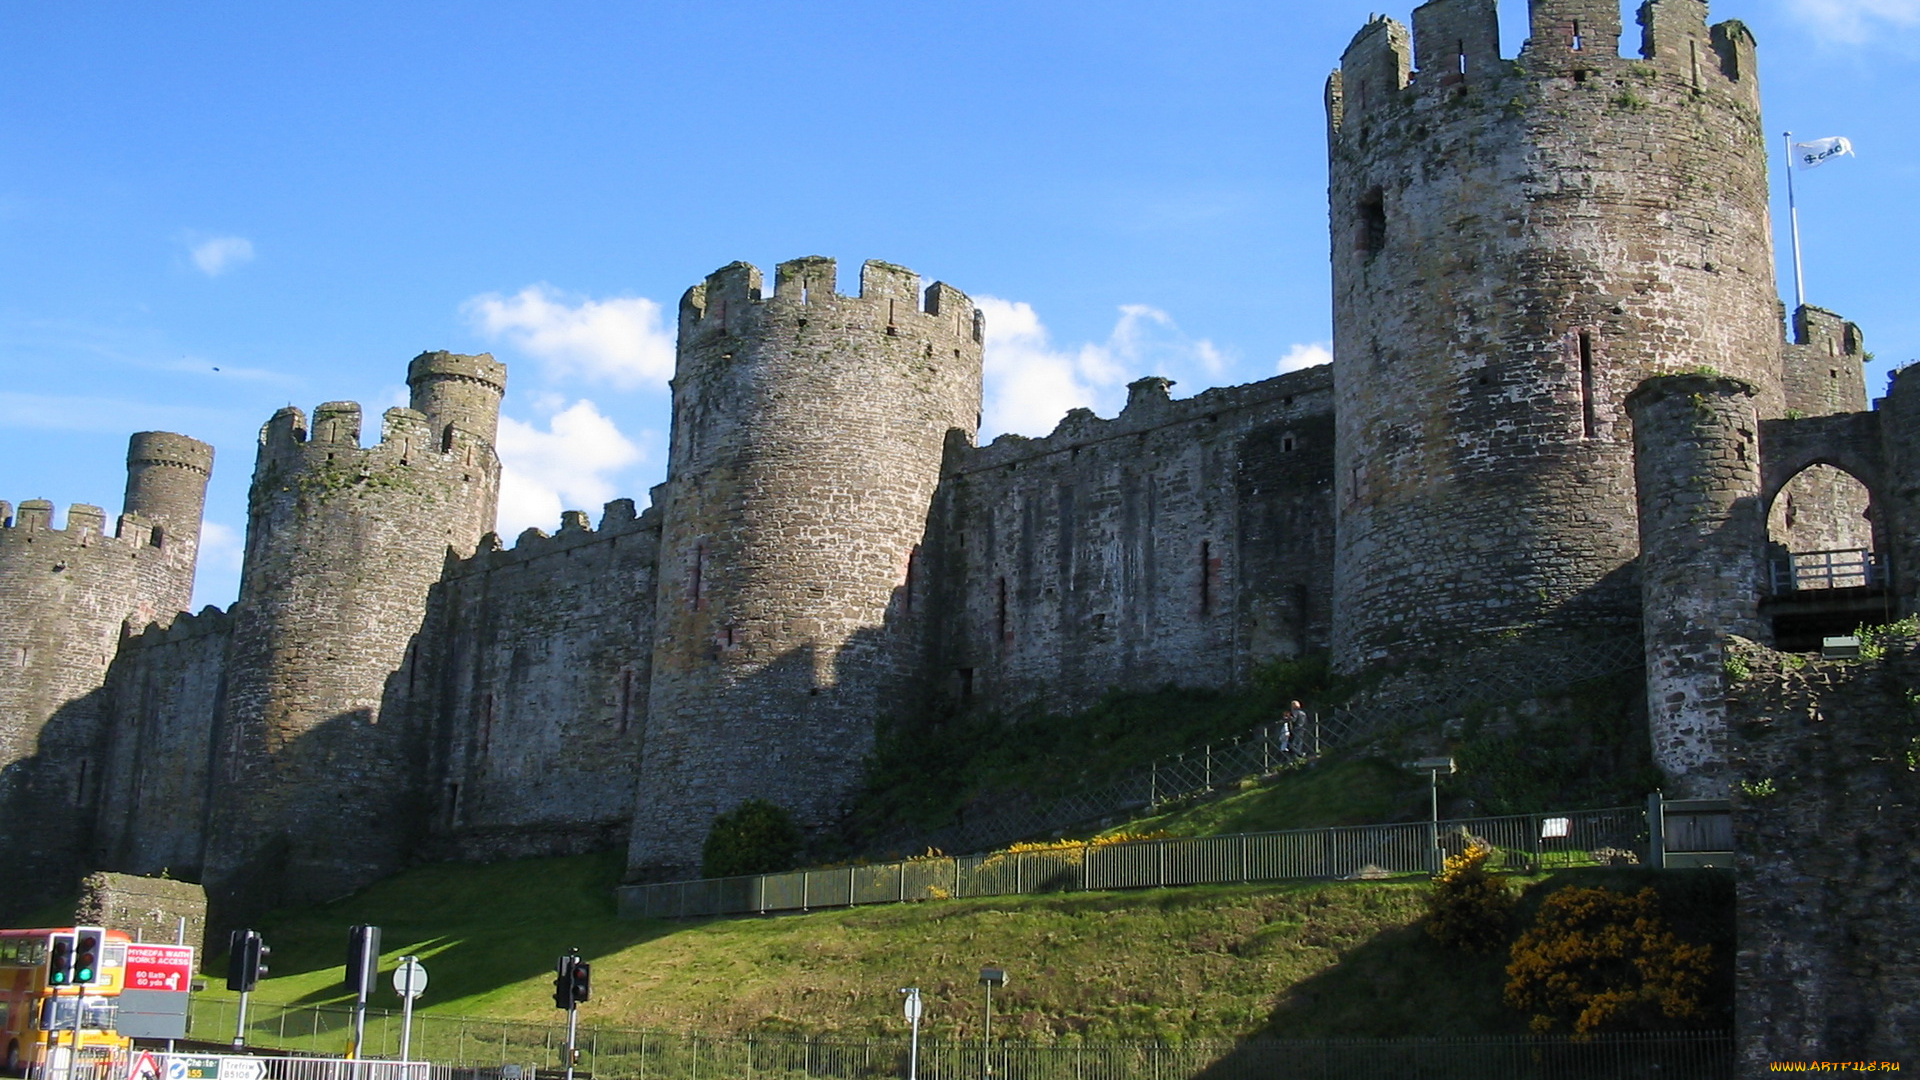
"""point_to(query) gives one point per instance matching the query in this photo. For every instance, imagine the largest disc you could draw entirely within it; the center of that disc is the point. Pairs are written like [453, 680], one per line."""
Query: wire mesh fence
[1523, 842]
[1499, 673]
[493, 1047]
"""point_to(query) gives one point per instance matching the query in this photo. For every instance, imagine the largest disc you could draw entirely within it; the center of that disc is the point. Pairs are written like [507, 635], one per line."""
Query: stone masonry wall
[1829, 876]
[64, 595]
[540, 688]
[808, 434]
[1823, 508]
[164, 695]
[320, 751]
[1516, 245]
[1181, 542]
[150, 909]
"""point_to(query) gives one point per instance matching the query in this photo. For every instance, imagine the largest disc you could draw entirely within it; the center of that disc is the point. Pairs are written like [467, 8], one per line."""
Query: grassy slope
[1176, 962]
[1300, 959]
[1353, 792]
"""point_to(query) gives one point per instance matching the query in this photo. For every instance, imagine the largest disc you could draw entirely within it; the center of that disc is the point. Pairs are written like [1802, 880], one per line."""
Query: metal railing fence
[626, 1054]
[1497, 673]
[267, 1067]
[1524, 841]
[1842, 568]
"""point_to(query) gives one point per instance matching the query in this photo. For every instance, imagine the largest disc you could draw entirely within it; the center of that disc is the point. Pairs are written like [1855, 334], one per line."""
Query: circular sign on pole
[913, 1006]
[410, 978]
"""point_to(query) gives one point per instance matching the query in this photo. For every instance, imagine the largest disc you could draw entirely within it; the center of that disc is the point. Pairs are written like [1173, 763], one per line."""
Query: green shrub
[1470, 909]
[755, 837]
[1598, 960]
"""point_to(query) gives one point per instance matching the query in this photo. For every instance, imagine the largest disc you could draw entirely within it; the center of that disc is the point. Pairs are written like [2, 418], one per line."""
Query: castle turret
[1702, 531]
[314, 784]
[167, 485]
[808, 430]
[1516, 245]
[65, 594]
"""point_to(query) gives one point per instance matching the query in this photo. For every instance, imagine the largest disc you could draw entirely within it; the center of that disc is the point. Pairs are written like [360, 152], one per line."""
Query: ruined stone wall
[64, 595]
[1181, 542]
[148, 908]
[163, 696]
[320, 750]
[808, 433]
[1516, 245]
[539, 693]
[1829, 882]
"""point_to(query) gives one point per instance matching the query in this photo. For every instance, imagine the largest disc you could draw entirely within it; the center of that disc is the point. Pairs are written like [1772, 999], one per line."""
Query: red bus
[37, 1021]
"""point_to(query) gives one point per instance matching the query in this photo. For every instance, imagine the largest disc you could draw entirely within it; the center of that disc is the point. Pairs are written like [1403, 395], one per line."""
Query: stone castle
[1564, 405]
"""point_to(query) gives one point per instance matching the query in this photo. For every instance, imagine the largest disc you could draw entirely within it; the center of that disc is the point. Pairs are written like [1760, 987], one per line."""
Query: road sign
[913, 1007]
[145, 1067]
[151, 1014]
[215, 1067]
[410, 978]
[159, 967]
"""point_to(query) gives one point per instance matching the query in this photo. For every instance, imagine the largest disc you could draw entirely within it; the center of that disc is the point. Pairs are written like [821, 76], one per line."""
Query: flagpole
[1793, 218]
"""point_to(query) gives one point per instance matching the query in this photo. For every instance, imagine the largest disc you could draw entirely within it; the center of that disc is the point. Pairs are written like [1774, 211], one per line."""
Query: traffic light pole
[573, 1031]
[240, 1025]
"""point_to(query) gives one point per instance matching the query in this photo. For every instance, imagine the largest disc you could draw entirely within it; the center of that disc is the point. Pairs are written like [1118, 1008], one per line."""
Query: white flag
[1812, 155]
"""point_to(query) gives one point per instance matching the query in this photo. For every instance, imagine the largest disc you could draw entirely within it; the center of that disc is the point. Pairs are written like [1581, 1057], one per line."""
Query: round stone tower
[1702, 533]
[1517, 244]
[317, 747]
[808, 431]
[167, 485]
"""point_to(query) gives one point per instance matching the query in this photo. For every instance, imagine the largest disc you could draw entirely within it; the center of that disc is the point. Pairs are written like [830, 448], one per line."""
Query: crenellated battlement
[85, 526]
[185, 626]
[617, 519]
[407, 437]
[890, 301]
[1453, 52]
[1150, 407]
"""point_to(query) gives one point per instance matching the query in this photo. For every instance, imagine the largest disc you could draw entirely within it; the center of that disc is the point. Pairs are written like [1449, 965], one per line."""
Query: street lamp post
[989, 978]
[1433, 767]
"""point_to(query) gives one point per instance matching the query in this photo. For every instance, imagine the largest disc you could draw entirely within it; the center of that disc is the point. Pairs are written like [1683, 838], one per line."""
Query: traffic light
[582, 979]
[59, 959]
[363, 959]
[563, 981]
[247, 956]
[257, 953]
[86, 954]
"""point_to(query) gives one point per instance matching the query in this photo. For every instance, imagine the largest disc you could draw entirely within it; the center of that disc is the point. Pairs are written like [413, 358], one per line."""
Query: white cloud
[1855, 21]
[620, 341]
[1031, 383]
[573, 464]
[216, 255]
[1305, 355]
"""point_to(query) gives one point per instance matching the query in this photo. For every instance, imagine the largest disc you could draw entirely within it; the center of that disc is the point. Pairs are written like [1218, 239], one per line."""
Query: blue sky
[211, 211]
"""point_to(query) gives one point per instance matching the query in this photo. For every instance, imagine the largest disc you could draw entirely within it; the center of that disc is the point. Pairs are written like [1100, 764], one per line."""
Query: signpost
[409, 980]
[913, 1010]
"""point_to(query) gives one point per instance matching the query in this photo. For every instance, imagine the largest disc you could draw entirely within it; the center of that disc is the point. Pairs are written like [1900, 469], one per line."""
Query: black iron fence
[1524, 841]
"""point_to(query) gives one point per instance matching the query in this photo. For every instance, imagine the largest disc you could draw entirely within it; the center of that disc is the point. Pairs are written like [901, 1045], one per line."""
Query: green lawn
[1169, 963]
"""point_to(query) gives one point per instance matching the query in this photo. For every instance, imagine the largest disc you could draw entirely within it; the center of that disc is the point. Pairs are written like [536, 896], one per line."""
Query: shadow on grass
[477, 928]
[1402, 984]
